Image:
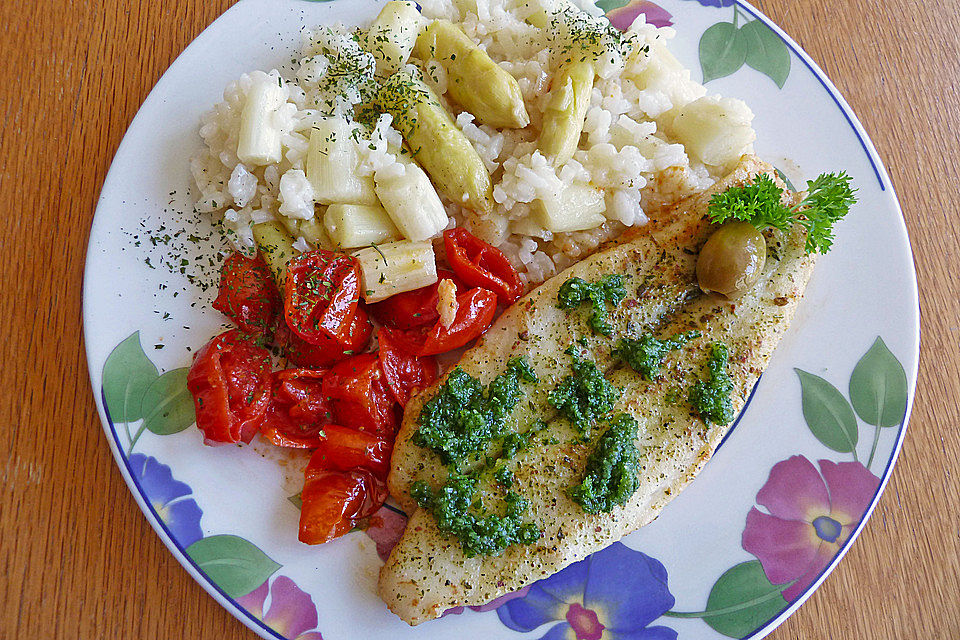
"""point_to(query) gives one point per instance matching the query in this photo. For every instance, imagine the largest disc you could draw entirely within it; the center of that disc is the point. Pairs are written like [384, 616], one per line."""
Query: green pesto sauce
[464, 417]
[585, 395]
[611, 474]
[711, 397]
[608, 289]
[513, 443]
[504, 477]
[459, 514]
[645, 354]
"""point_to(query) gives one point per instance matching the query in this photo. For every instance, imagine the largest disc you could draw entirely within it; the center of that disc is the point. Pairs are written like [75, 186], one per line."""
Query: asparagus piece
[276, 247]
[392, 35]
[475, 81]
[436, 142]
[566, 110]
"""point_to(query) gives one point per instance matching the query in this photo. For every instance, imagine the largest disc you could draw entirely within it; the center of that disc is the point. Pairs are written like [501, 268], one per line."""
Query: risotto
[327, 154]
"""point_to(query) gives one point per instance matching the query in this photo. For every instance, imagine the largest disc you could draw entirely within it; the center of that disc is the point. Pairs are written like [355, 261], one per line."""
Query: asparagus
[436, 142]
[475, 81]
[566, 110]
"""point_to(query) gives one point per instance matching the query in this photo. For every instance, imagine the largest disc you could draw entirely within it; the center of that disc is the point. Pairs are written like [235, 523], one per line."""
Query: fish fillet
[428, 572]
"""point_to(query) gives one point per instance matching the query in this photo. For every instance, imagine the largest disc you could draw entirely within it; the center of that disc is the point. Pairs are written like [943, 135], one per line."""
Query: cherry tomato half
[230, 383]
[412, 309]
[298, 409]
[359, 397]
[333, 502]
[328, 351]
[479, 264]
[321, 295]
[345, 449]
[475, 311]
[405, 373]
[247, 294]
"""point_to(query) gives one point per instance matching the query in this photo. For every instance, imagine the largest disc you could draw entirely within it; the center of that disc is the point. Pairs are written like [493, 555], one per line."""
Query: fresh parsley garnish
[829, 198]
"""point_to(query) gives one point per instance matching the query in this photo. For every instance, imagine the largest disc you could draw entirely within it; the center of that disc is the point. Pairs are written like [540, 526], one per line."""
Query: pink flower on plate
[385, 528]
[623, 17]
[291, 611]
[811, 515]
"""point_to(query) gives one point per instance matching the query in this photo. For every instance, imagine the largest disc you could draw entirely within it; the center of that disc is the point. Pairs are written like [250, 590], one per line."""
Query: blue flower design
[716, 3]
[169, 498]
[613, 595]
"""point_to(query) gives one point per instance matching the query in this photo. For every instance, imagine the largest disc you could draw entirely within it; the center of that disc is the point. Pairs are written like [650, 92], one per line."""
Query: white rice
[632, 147]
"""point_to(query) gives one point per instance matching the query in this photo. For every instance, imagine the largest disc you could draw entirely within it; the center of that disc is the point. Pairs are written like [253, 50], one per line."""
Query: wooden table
[80, 561]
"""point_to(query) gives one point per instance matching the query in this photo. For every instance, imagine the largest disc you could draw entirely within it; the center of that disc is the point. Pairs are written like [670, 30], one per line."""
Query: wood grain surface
[78, 558]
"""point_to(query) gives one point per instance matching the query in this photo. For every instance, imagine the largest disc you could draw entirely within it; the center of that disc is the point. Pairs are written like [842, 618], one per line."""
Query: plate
[732, 556]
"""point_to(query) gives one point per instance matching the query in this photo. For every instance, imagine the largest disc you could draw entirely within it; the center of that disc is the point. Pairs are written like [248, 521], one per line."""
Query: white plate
[732, 556]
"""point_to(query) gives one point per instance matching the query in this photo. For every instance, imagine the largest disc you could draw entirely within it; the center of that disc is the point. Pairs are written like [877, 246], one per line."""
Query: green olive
[731, 261]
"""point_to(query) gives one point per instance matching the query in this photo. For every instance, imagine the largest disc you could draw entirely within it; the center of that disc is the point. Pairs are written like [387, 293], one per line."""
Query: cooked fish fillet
[428, 572]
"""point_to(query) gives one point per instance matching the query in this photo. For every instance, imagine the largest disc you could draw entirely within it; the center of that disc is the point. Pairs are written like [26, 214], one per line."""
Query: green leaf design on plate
[127, 373]
[610, 5]
[167, 404]
[296, 500]
[742, 599]
[766, 51]
[722, 51]
[234, 564]
[828, 414]
[878, 387]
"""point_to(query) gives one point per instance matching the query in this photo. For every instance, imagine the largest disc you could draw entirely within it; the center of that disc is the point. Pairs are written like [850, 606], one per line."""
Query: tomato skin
[344, 449]
[412, 309]
[321, 295]
[298, 409]
[333, 502]
[359, 397]
[405, 373]
[475, 311]
[247, 294]
[230, 384]
[328, 351]
[480, 264]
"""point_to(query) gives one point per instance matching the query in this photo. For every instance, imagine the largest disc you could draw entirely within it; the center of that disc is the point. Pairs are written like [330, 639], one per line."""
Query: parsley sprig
[828, 199]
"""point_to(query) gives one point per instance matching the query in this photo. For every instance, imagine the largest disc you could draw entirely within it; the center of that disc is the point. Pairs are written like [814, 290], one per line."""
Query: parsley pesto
[464, 417]
[607, 290]
[711, 397]
[645, 354]
[585, 395]
[611, 474]
[459, 513]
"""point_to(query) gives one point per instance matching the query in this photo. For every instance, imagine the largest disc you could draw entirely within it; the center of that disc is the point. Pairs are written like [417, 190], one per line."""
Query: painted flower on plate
[385, 528]
[624, 16]
[615, 594]
[170, 498]
[291, 611]
[716, 3]
[811, 514]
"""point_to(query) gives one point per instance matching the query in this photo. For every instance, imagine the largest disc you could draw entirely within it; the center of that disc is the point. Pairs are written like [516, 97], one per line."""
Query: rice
[651, 134]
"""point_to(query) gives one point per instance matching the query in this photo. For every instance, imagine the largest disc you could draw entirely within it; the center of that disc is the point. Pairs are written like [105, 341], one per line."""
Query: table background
[78, 560]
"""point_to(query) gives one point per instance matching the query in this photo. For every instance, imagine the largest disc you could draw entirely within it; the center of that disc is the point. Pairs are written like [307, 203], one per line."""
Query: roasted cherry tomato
[479, 264]
[248, 294]
[359, 397]
[345, 449]
[321, 295]
[475, 311]
[412, 309]
[230, 383]
[333, 502]
[405, 373]
[298, 409]
[328, 351]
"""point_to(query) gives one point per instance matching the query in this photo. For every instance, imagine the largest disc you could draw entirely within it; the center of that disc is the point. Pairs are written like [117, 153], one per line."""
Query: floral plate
[732, 556]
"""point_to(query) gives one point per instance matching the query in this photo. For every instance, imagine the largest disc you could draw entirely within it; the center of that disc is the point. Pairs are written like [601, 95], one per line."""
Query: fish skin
[427, 571]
